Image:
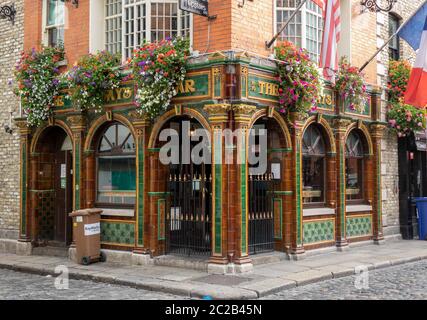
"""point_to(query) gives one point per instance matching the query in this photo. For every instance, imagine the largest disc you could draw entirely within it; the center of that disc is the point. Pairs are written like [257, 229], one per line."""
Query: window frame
[304, 11]
[391, 50]
[99, 155]
[147, 3]
[361, 159]
[46, 28]
[323, 157]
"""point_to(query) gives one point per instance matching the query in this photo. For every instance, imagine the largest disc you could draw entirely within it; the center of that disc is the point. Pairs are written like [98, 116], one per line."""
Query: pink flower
[392, 122]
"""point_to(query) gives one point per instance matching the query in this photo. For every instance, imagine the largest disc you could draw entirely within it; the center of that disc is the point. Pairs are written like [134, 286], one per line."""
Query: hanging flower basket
[158, 68]
[350, 85]
[399, 73]
[404, 119]
[38, 85]
[91, 77]
[298, 79]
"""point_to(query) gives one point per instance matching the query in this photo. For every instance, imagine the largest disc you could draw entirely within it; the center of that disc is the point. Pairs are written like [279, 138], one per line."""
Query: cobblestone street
[403, 282]
[22, 286]
[406, 282]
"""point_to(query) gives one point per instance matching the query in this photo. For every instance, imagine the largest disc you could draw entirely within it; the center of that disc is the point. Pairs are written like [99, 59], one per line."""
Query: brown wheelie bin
[87, 235]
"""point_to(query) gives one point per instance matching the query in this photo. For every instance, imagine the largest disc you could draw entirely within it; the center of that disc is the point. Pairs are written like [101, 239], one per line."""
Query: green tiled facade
[359, 226]
[319, 231]
[120, 233]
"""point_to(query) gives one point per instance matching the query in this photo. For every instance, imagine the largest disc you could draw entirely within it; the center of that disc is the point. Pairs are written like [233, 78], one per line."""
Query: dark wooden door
[63, 192]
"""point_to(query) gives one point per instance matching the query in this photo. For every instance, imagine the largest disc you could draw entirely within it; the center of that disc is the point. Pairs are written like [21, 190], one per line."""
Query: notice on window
[92, 229]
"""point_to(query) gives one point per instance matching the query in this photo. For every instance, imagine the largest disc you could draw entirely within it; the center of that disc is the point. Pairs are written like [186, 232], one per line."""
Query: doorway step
[53, 251]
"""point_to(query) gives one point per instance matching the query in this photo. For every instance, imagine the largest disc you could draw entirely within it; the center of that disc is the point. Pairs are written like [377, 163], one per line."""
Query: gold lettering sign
[187, 86]
[268, 88]
[59, 101]
[115, 95]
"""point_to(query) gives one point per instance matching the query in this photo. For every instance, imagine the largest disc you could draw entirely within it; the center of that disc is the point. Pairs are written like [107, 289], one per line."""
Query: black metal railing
[261, 215]
[188, 220]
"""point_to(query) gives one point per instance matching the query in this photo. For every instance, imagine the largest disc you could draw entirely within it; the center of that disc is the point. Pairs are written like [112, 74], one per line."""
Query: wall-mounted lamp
[8, 126]
[241, 3]
[377, 6]
[8, 12]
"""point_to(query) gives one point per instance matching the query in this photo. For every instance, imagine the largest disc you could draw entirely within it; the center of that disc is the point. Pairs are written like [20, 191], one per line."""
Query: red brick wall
[220, 28]
[32, 24]
[76, 36]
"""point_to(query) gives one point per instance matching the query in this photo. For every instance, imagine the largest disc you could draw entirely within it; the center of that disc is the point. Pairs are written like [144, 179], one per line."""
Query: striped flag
[331, 37]
[416, 92]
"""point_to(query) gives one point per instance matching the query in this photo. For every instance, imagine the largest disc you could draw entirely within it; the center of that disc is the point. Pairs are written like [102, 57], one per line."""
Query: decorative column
[242, 117]
[78, 126]
[377, 131]
[141, 124]
[341, 126]
[25, 223]
[297, 250]
[223, 211]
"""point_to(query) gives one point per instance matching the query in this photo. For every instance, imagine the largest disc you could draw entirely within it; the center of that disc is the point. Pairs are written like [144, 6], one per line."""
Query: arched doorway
[264, 220]
[53, 188]
[188, 219]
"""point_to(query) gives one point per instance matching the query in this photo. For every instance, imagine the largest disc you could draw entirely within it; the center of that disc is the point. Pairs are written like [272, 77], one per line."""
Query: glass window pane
[313, 179]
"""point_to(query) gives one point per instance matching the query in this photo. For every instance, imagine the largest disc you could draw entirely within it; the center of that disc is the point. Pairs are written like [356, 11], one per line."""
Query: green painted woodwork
[263, 87]
[359, 226]
[194, 86]
[120, 233]
[124, 94]
[218, 190]
[364, 111]
[342, 191]
[319, 231]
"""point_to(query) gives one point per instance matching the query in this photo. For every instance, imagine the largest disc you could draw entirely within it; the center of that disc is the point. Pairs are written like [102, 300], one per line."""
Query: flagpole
[391, 38]
[269, 44]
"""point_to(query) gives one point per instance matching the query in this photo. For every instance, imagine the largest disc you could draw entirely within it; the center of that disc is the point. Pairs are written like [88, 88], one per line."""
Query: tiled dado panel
[359, 226]
[115, 232]
[319, 231]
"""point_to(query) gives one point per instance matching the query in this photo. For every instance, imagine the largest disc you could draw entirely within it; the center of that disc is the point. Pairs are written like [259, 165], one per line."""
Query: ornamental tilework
[117, 233]
[359, 226]
[319, 231]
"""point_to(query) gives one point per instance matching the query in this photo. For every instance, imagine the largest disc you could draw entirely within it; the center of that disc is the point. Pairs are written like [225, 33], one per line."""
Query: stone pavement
[401, 282]
[264, 280]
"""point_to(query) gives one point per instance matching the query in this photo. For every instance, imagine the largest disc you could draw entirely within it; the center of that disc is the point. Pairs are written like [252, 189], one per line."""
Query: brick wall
[389, 171]
[363, 40]
[11, 39]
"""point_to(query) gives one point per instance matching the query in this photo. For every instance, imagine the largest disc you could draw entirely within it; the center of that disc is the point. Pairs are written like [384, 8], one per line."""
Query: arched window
[313, 166]
[116, 179]
[354, 166]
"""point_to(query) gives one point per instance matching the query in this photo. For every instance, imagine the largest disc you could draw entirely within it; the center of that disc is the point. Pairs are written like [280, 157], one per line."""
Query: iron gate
[261, 215]
[188, 220]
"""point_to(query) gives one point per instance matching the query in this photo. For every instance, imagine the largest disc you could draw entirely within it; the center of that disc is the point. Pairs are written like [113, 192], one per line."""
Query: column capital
[139, 119]
[22, 125]
[77, 122]
[243, 112]
[377, 130]
[217, 112]
[341, 125]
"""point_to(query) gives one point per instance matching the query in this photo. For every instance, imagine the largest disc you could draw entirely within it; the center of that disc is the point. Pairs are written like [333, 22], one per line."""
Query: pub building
[322, 187]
